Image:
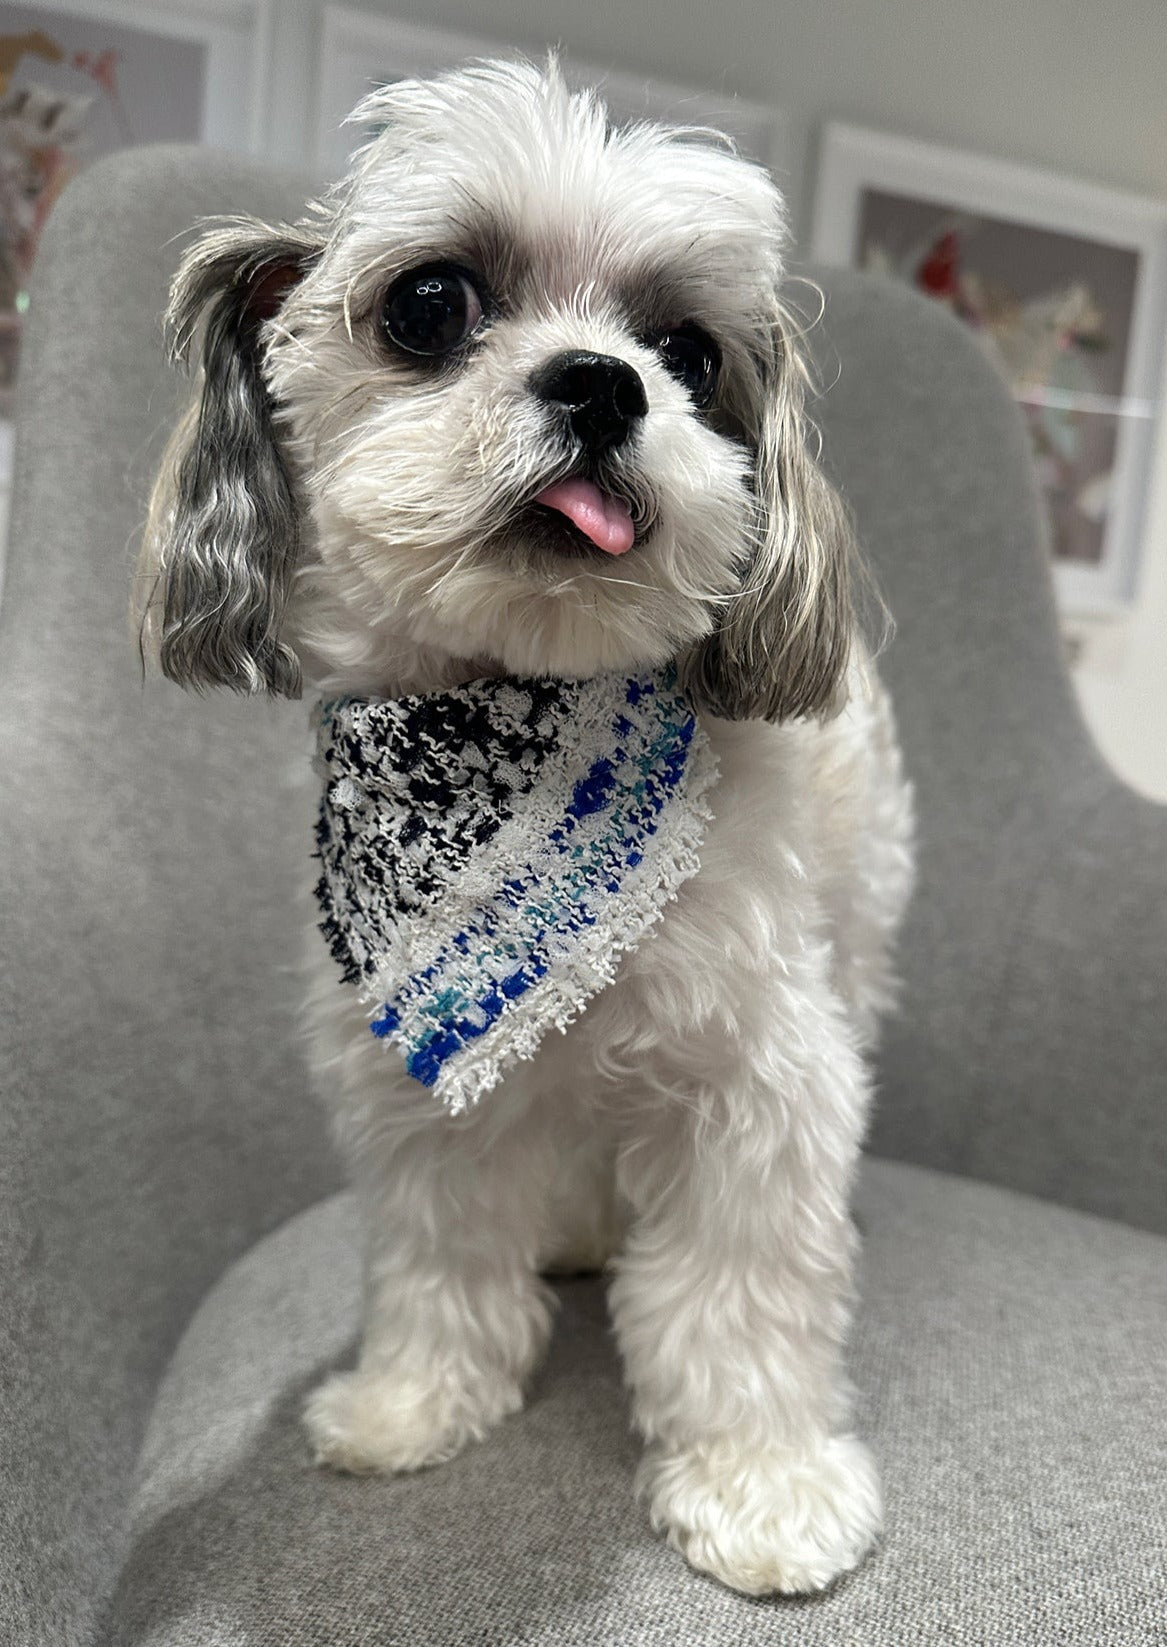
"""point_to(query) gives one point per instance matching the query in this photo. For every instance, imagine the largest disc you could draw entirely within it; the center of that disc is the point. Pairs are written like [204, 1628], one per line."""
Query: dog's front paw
[763, 1522]
[367, 1420]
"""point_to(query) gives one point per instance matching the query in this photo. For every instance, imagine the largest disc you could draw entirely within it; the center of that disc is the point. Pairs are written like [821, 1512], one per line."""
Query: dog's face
[519, 395]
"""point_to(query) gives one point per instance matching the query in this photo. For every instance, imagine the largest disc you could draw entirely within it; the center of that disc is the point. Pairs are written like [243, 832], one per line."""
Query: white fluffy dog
[521, 397]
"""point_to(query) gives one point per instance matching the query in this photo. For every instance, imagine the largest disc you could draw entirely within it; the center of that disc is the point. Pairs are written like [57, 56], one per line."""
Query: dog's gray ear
[781, 646]
[222, 537]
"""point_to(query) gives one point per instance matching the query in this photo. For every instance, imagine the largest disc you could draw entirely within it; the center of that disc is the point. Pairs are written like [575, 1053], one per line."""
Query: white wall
[1079, 86]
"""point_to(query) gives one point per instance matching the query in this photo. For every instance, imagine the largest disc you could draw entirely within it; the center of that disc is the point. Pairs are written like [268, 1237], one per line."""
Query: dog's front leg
[732, 1299]
[455, 1314]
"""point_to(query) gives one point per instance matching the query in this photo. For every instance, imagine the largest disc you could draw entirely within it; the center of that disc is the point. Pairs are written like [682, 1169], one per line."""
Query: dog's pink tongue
[606, 520]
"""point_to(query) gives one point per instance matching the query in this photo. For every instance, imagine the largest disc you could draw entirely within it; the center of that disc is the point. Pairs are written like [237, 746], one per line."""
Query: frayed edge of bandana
[558, 1000]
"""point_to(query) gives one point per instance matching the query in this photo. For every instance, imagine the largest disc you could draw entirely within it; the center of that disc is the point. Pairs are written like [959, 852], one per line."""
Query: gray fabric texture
[1011, 1359]
[155, 1118]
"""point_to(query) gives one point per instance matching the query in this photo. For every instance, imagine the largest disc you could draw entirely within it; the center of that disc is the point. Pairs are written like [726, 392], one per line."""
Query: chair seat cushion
[1011, 1362]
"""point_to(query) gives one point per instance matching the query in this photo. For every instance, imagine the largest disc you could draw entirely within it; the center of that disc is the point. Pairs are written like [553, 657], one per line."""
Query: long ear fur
[781, 647]
[222, 536]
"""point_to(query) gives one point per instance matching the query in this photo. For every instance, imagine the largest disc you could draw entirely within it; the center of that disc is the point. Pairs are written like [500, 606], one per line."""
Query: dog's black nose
[603, 396]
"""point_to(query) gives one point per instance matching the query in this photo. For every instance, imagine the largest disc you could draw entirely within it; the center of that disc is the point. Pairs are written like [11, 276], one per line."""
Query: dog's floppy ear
[222, 537]
[782, 642]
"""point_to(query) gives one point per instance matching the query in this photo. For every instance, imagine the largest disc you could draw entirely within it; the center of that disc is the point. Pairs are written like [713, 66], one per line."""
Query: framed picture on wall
[359, 52]
[79, 78]
[1065, 284]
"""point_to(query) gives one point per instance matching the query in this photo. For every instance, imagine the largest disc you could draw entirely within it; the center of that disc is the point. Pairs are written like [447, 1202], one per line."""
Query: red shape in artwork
[938, 273]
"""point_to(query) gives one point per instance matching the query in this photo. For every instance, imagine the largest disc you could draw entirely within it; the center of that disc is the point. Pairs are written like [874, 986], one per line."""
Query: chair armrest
[1030, 1049]
[1083, 1007]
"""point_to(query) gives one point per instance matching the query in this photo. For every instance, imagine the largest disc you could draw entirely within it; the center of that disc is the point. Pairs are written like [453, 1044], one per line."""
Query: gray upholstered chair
[176, 1262]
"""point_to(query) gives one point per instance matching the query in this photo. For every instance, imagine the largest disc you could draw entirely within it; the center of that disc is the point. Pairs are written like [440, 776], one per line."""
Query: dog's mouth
[589, 515]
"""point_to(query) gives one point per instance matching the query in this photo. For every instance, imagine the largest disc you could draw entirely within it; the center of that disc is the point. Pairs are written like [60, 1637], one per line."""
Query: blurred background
[1006, 157]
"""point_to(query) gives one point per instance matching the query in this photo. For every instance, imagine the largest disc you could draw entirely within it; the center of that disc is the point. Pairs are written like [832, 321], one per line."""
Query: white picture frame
[358, 50]
[866, 178]
[238, 37]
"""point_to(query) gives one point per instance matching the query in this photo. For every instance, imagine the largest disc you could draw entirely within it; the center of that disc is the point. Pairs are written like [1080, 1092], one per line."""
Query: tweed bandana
[490, 852]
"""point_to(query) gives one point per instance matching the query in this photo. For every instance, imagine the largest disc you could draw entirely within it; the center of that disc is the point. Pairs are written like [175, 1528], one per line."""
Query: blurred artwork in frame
[81, 78]
[1064, 285]
[73, 86]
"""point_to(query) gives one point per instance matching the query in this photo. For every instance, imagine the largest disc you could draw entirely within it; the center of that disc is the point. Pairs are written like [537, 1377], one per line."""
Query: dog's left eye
[692, 357]
[429, 311]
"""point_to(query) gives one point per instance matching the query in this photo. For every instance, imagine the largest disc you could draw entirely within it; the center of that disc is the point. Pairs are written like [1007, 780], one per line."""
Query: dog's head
[520, 395]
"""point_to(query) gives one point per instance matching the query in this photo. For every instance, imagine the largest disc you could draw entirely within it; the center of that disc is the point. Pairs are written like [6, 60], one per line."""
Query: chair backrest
[1030, 1047]
[156, 1117]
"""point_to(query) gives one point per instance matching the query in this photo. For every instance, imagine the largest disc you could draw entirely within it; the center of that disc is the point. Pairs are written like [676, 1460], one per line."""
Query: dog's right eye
[693, 358]
[429, 311]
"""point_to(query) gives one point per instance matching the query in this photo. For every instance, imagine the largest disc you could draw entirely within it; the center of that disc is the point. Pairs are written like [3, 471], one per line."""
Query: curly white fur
[699, 1126]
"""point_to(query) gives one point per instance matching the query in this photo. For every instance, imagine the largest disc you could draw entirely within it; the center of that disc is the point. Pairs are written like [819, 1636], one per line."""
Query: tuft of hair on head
[222, 535]
[781, 647]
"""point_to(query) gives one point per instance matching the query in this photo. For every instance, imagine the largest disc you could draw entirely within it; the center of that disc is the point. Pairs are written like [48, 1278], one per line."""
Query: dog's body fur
[699, 1125]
